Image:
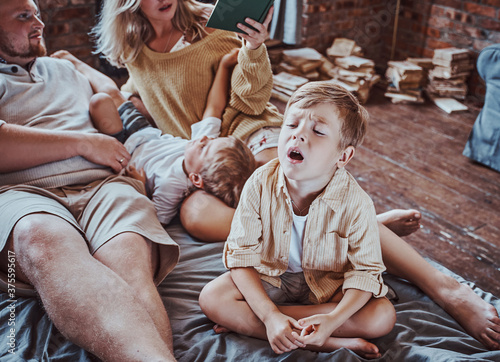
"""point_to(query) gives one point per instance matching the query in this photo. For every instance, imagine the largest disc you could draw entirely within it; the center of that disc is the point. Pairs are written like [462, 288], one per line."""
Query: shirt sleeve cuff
[240, 259]
[2, 123]
[367, 283]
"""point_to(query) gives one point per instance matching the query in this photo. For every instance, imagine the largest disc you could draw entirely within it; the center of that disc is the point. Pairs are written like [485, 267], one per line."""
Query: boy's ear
[196, 179]
[346, 156]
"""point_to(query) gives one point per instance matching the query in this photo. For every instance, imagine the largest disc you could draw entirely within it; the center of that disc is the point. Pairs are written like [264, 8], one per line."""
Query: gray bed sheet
[423, 331]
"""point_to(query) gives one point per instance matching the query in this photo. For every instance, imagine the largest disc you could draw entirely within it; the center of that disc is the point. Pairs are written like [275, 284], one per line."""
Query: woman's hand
[255, 38]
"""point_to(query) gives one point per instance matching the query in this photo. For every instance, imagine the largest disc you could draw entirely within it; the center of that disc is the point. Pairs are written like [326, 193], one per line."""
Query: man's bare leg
[88, 302]
[401, 222]
[475, 315]
[132, 258]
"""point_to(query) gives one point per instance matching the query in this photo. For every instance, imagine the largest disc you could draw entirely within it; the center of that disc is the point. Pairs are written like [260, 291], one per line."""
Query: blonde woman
[172, 59]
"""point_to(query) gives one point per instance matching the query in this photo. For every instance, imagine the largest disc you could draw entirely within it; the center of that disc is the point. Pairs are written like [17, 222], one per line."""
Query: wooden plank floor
[412, 158]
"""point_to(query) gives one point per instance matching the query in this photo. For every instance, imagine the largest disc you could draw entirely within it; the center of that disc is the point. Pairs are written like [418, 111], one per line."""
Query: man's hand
[255, 38]
[103, 150]
[316, 329]
[139, 175]
[279, 328]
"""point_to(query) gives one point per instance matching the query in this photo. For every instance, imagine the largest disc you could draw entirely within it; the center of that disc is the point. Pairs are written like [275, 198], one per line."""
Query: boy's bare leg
[100, 82]
[475, 315]
[104, 114]
[88, 302]
[223, 303]
[401, 222]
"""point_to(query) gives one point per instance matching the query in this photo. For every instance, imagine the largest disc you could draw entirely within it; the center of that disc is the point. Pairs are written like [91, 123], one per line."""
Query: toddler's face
[308, 146]
[201, 151]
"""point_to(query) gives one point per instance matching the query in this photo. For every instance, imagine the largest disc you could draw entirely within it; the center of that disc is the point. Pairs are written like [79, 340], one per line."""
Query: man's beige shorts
[99, 211]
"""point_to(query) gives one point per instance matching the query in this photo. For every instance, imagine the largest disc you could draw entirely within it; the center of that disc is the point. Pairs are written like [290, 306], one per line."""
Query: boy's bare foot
[358, 345]
[401, 222]
[478, 317]
[220, 329]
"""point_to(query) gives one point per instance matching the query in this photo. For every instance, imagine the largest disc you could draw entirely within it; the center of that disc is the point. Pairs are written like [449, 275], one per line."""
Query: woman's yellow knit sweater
[174, 86]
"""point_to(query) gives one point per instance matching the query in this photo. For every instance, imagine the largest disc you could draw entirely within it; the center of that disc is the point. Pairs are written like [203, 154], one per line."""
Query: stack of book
[452, 67]
[297, 66]
[303, 62]
[342, 47]
[404, 80]
[358, 73]
[284, 84]
[426, 65]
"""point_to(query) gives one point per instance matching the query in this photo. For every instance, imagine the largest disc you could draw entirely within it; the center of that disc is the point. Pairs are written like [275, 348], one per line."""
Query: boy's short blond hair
[226, 173]
[353, 115]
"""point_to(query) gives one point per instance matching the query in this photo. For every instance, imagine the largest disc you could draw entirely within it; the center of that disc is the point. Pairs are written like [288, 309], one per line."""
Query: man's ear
[196, 179]
[346, 156]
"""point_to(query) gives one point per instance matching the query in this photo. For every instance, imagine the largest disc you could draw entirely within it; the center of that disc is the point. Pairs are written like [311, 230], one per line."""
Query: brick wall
[424, 25]
[67, 24]
[429, 25]
[362, 20]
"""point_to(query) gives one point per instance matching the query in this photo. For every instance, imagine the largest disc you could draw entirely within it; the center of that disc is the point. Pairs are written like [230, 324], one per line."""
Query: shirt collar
[333, 194]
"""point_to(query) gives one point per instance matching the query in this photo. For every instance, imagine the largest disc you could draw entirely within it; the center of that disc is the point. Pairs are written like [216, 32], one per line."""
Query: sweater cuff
[253, 54]
[2, 123]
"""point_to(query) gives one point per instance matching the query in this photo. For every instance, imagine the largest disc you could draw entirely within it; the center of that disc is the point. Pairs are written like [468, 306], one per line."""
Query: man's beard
[33, 51]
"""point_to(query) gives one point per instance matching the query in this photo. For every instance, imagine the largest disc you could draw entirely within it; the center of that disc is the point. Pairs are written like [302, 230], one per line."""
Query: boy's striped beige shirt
[341, 246]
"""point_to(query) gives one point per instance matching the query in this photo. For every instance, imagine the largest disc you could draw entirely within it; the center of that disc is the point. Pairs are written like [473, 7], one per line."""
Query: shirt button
[14, 69]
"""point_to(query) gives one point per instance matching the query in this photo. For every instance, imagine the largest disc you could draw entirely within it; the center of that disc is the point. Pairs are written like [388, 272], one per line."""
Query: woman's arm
[252, 81]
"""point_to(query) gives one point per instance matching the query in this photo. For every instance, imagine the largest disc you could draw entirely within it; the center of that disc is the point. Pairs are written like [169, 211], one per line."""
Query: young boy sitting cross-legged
[305, 233]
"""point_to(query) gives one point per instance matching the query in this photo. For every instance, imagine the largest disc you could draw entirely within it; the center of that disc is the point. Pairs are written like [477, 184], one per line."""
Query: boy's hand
[230, 59]
[139, 175]
[254, 39]
[315, 329]
[279, 328]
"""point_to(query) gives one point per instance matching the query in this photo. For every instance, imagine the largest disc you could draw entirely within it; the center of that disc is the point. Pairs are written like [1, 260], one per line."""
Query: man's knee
[35, 236]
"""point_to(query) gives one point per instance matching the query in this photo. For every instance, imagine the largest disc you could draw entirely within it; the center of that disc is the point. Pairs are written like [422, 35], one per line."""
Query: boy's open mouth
[294, 154]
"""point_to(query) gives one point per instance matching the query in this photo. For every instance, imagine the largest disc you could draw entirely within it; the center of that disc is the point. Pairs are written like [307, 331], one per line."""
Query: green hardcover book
[228, 13]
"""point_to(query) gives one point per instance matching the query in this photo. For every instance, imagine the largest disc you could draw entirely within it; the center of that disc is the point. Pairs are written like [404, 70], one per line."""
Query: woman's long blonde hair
[123, 29]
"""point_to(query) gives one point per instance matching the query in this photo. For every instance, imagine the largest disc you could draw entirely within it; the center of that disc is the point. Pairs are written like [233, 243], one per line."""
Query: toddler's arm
[318, 328]
[139, 175]
[279, 327]
[219, 93]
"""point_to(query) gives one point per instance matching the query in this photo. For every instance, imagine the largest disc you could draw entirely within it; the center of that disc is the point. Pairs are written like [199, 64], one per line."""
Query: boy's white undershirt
[295, 256]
